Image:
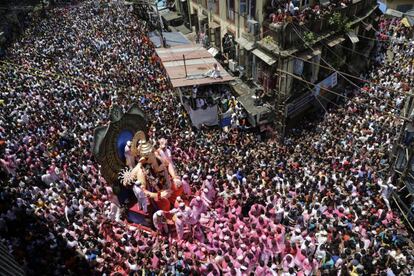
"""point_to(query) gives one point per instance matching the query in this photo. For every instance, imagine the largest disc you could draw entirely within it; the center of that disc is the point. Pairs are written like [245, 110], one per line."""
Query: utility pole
[281, 100]
[160, 25]
[189, 15]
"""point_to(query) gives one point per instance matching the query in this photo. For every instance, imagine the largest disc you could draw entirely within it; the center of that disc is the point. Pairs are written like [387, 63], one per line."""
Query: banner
[298, 66]
[327, 83]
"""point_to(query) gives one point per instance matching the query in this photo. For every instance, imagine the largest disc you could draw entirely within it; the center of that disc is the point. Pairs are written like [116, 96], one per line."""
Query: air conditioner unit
[232, 65]
[253, 26]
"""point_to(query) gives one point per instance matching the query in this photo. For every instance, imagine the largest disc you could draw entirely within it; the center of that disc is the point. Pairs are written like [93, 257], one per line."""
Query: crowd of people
[318, 203]
[291, 10]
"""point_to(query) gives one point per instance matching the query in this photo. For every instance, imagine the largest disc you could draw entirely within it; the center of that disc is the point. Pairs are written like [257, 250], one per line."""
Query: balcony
[312, 24]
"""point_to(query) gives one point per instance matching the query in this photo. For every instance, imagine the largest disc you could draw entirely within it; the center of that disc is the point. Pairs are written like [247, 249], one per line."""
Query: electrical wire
[340, 95]
[355, 77]
[332, 68]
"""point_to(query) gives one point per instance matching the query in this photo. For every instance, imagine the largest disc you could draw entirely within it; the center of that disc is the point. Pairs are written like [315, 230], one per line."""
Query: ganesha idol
[154, 172]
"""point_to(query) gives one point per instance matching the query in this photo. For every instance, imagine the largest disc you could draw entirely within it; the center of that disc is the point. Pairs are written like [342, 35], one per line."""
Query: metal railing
[284, 36]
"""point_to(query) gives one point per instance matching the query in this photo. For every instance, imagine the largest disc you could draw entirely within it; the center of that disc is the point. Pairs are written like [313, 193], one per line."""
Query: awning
[182, 29]
[244, 43]
[213, 51]
[335, 41]
[308, 55]
[353, 37]
[198, 61]
[172, 39]
[382, 7]
[263, 56]
[214, 25]
[170, 16]
[393, 13]
[202, 18]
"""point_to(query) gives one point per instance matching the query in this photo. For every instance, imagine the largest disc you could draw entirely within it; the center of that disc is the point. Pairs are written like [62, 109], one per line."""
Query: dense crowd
[317, 203]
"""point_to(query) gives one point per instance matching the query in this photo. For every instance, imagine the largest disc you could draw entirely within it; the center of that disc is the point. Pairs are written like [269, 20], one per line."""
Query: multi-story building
[402, 170]
[229, 22]
[292, 49]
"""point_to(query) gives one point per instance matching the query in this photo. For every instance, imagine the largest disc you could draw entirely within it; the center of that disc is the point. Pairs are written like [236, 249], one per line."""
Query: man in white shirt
[140, 195]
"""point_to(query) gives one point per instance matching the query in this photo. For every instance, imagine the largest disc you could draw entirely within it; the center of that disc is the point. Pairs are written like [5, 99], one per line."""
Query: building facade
[232, 26]
[292, 52]
[402, 170]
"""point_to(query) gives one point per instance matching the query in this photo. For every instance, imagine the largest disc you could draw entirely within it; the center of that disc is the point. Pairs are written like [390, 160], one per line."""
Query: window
[252, 9]
[230, 10]
[214, 6]
[243, 7]
[248, 10]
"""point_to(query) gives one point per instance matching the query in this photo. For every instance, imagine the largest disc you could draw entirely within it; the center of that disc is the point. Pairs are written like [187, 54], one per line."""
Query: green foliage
[347, 27]
[335, 19]
[269, 40]
[309, 38]
[339, 22]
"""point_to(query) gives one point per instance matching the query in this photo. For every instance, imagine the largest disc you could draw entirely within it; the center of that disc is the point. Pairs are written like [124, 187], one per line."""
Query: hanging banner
[298, 66]
[327, 83]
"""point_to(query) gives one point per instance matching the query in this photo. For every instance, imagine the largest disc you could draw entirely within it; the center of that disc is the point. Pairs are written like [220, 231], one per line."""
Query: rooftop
[246, 97]
[198, 61]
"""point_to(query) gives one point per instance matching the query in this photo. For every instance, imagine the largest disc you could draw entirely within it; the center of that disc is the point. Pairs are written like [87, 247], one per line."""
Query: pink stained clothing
[186, 187]
[198, 207]
[307, 266]
[389, 216]
[210, 237]
[210, 195]
[299, 258]
[200, 255]
[328, 214]
[255, 210]
[338, 213]
[8, 166]
[179, 226]
[260, 271]
[236, 264]
[166, 154]
[239, 252]
[238, 224]
[205, 198]
[188, 255]
[280, 242]
[211, 191]
[266, 255]
[199, 235]
[285, 264]
[154, 262]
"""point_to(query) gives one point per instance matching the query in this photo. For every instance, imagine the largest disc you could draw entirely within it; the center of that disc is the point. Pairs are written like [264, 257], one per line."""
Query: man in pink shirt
[179, 225]
[186, 185]
[198, 206]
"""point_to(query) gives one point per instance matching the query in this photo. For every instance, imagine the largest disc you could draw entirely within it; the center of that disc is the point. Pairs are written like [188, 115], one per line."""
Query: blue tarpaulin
[162, 4]
[172, 39]
[382, 6]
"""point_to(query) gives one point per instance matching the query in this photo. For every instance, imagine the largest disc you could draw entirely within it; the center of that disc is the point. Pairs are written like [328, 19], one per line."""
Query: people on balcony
[282, 11]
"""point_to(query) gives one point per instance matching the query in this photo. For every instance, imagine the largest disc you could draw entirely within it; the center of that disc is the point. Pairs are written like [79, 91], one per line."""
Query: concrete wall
[398, 4]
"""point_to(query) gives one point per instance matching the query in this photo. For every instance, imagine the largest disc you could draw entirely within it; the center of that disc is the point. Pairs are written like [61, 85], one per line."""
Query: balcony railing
[286, 33]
